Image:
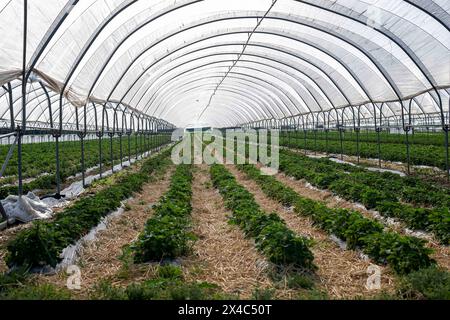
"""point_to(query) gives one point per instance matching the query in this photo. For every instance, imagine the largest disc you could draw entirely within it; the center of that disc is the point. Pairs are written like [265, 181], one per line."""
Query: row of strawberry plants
[70, 155]
[428, 155]
[43, 243]
[404, 254]
[371, 191]
[167, 234]
[419, 138]
[272, 237]
[48, 182]
[407, 188]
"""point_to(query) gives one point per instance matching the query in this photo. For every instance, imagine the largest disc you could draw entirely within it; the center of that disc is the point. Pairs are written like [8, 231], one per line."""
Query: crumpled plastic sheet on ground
[30, 207]
[26, 208]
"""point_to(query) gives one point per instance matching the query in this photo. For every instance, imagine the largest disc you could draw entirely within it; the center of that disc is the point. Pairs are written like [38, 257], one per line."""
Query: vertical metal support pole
[342, 143]
[121, 149]
[408, 157]
[129, 147]
[446, 128]
[289, 134]
[358, 149]
[304, 134]
[378, 130]
[83, 166]
[111, 135]
[21, 130]
[58, 167]
[140, 142]
[136, 145]
[19, 160]
[315, 141]
[99, 135]
[326, 141]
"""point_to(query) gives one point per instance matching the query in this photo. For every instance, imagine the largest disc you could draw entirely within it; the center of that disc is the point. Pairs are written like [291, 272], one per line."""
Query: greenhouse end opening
[231, 147]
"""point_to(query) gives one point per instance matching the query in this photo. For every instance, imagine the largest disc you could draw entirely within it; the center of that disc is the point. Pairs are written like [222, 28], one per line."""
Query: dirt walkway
[342, 273]
[221, 255]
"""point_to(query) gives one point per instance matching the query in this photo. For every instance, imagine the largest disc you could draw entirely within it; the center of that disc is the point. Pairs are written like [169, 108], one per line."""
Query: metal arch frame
[266, 92]
[68, 118]
[220, 61]
[113, 14]
[255, 83]
[160, 41]
[258, 80]
[36, 96]
[264, 115]
[246, 84]
[319, 86]
[334, 12]
[301, 85]
[10, 99]
[230, 109]
[228, 88]
[234, 98]
[429, 13]
[364, 53]
[131, 33]
[50, 34]
[38, 92]
[402, 109]
[235, 91]
[386, 33]
[181, 76]
[289, 53]
[136, 82]
[243, 107]
[253, 77]
[267, 112]
[230, 123]
[280, 62]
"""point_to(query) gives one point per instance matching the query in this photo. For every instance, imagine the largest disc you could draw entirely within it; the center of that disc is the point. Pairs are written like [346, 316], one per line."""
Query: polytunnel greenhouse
[224, 150]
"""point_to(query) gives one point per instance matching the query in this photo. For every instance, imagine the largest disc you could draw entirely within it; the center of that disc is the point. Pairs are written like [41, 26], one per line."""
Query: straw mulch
[342, 273]
[221, 255]
[101, 259]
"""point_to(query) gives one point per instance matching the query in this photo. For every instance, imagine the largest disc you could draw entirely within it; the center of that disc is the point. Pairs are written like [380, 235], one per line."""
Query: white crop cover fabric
[173, 60]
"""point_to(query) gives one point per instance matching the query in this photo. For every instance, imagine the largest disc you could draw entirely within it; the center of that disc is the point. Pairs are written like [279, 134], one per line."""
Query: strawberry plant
[167, 234]
[351, 226]
[384, 192]
[272, 237]
[43, 243]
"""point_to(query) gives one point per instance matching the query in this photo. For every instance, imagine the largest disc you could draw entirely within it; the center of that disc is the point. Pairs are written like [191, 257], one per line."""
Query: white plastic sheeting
[166, 58]
[26, 209]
